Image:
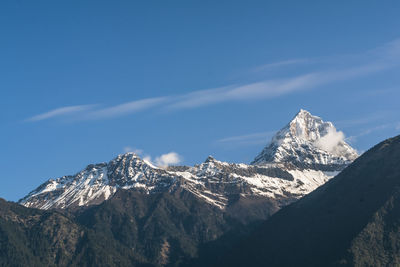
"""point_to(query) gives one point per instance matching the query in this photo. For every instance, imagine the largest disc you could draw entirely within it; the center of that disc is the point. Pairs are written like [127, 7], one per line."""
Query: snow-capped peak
[308, 140]
[306, 126]
[97, 182]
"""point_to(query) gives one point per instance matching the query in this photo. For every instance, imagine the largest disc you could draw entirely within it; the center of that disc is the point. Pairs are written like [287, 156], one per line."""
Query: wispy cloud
[373, 61]
[264, 89]
[125, 108]
[58, 112]
[356, 122]
[271, 88]
[389, 52]
[380, 59]
[283, 63]
[395, 126]
[248, 139]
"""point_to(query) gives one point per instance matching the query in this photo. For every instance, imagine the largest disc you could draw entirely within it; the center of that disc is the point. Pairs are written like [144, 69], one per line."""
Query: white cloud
[252, 91]
[60, 112]
[375, 129]
[125, 108]
[283, 63]
[330, 141]
[247, 139]
[389, 52]
[373, 61]
[275, 87]
[170, 158]
[366, 119]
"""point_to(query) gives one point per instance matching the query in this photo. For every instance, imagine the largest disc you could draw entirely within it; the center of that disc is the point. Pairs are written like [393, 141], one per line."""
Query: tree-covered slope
[130, 229]
[31, 237]
[162, 228]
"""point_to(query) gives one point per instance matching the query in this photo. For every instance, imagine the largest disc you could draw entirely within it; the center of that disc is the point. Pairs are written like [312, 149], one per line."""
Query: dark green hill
[31, 237]
[160, 229]
[353, 220]
[130, 229]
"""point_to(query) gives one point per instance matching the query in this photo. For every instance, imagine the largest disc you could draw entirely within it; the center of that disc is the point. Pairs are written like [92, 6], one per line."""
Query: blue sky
[83, 81]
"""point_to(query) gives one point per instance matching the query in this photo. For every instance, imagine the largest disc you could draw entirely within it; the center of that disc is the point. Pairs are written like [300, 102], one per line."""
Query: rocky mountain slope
[353, 220]
[302, 156]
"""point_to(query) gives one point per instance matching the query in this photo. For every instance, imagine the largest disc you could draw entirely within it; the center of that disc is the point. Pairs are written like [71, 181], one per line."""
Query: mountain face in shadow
[352, 220]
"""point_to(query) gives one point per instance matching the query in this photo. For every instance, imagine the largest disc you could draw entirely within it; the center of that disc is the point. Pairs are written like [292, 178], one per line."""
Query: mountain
[309, 143]
[298, 160]
[128, 212]
[352, 220]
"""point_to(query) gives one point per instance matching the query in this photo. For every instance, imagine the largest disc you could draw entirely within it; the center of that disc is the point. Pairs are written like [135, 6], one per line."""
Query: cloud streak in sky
[252, 91]
[392, 125]
[373, 61]
[58, 112]
[248, 139]
[366, 119]
[125, 108]
[270, 88]
[283, 63]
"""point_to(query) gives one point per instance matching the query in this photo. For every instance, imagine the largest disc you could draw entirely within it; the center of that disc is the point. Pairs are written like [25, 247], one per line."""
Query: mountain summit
[308, 142]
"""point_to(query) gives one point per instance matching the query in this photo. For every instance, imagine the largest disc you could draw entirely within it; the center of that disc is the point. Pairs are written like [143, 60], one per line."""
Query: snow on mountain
[302, 156]
[97, 183]
[308, 142]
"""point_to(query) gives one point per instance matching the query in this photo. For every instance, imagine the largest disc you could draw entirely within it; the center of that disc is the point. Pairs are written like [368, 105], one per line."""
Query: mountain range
[301, 156]
[128, 212]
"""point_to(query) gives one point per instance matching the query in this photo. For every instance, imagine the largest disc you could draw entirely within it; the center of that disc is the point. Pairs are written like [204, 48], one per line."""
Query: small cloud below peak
[164, 160]
[330, 141]
[171, 158]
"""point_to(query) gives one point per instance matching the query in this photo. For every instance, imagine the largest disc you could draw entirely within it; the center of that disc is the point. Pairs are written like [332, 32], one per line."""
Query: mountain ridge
[214, 181]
